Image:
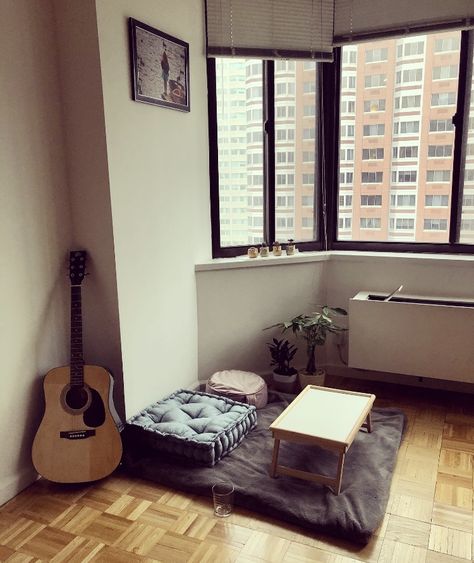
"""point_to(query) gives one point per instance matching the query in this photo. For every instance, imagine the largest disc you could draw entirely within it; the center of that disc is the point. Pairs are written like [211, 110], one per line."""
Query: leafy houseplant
[284, 375]
[314, 327]
[282, 353]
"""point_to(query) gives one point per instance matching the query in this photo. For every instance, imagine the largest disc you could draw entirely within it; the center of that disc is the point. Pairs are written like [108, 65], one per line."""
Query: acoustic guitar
[78, 439]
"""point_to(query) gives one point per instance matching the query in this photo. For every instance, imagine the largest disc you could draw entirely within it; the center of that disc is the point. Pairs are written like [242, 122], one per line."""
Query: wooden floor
[429, 516]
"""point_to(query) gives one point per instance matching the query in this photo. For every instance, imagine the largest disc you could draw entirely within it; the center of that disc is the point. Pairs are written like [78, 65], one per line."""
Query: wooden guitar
[78, 439]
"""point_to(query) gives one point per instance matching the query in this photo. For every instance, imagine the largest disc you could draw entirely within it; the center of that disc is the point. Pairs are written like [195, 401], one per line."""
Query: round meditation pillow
[243, 386]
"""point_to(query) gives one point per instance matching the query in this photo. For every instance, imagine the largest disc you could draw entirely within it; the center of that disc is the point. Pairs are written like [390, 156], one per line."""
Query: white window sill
[350, 256]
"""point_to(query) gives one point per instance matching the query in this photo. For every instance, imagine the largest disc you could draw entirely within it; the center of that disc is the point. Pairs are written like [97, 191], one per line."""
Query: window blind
[359, 20]
[270, 29]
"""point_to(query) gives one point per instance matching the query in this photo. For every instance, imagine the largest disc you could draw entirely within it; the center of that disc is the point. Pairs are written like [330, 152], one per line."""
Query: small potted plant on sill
[314, 327]
[284, 375]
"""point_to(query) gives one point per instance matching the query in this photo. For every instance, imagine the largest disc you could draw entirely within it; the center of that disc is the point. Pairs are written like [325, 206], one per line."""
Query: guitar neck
[77, 357]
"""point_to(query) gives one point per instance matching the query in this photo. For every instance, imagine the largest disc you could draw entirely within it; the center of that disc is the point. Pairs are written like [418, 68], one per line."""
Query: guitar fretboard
[77, 359]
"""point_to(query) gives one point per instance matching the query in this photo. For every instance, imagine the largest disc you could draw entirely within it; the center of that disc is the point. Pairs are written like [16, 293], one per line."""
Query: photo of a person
[165, 71]
[160, 67]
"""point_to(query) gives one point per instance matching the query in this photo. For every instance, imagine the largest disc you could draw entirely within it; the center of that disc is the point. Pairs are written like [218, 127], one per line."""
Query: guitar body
[78, 440]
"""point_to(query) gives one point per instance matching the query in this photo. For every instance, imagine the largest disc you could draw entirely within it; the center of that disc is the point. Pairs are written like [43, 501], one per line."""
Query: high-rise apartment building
[398, 98]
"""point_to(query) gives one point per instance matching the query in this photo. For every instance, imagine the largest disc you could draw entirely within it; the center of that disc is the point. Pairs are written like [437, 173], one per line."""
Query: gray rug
[353, 515]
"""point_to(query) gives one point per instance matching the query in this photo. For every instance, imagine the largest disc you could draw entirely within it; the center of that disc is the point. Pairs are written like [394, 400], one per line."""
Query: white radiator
[412, 335]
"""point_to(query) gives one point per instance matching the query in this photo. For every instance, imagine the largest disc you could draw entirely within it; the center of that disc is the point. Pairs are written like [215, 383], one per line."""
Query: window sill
[350, 256]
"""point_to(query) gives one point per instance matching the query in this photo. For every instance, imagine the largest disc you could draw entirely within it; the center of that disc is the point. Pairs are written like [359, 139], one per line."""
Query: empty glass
[223, 497]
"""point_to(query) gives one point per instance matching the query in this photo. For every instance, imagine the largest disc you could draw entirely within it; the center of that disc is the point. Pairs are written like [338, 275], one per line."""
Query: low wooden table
[329, 418]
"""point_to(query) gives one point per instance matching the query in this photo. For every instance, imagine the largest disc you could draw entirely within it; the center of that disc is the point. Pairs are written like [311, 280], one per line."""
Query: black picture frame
[160, 67]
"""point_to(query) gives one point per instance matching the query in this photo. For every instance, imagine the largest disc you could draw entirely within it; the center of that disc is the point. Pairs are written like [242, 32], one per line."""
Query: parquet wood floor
[429, 516]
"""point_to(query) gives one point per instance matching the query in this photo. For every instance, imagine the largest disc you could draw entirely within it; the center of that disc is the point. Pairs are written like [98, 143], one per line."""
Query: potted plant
[284, 375]
[314, 327]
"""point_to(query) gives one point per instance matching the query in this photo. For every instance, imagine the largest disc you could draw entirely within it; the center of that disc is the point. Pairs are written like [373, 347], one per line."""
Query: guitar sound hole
[76, 398]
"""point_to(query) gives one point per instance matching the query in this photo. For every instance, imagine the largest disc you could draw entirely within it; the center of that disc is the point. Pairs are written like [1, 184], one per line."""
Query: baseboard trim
[16, 484]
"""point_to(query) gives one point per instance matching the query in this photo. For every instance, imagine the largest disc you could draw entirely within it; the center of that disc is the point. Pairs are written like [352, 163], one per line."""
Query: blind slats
[270, 28]
[366, 19]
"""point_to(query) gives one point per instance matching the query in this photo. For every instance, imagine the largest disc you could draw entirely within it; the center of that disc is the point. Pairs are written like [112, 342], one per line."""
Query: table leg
[340, 468]
[369, 423]
[276, 447]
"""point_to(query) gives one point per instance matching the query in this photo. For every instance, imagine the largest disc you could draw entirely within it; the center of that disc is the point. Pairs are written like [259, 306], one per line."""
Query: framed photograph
[160, 67]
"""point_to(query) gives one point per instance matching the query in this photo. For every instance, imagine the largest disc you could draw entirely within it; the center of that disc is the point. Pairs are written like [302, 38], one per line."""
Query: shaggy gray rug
[353, 515]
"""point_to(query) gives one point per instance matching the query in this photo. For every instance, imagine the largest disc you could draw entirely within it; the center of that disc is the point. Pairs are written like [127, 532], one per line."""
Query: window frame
[326, 163]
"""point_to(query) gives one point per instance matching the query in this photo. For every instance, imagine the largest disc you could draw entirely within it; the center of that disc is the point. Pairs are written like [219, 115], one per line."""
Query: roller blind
[370, 19]
[270, 29]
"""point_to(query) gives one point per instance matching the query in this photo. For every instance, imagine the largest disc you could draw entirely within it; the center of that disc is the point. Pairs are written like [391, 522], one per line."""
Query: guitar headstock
[77, 266]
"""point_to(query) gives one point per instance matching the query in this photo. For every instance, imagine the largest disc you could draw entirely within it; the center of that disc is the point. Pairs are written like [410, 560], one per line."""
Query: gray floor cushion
[192, 425]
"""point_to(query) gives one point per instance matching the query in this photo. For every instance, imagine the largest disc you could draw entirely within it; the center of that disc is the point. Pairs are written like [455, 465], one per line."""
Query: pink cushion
[243, 386]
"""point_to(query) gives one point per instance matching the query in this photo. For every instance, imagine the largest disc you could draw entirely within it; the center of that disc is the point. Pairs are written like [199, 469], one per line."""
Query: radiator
[413, 335]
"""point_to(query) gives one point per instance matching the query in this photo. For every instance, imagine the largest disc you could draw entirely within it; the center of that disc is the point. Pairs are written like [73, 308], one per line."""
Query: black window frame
[327, 151]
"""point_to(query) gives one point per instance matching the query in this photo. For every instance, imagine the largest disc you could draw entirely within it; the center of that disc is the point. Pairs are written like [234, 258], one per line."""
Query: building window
[436, 200]
[370, 200]
[376, 55]
[435, 224]
[403, 200]
[375, 130]
[440, 151]
[374, 80]
[403, 151]
[267, 139]
[443, 99]
[370, 222]
[437, 125]
[402, 224]
[372, 177]
[374, 105]
[372, 154]
[438, 175]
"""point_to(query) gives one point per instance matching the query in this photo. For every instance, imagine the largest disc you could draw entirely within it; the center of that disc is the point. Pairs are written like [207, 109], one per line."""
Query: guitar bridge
[77, 434]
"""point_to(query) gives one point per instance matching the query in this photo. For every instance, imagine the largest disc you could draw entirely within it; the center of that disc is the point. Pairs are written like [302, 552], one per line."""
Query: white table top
[325, 413]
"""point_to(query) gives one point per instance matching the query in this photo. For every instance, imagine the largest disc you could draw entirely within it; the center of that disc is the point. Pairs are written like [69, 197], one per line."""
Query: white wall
[158, 173]
[86, 151]
[235, 306]
[35, 230]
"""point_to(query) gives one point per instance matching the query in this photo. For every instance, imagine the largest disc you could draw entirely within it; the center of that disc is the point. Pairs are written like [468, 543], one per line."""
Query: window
[370, 200]
[448, 44]
[407, 102]
[406, 127]
[403, 151]
[445, 72]
[404, 176]
[440, 151]
[435, 224]
[372, 154]
[403, 200]
[376, 55]
[374, 105]
[346, 177]
[375, 80]
[372, 177]
[402, 224]
[438, 175]
[437, 125]
[409, 75]
[394, 152]
[370, 222]
[374, 130]
[436, 200]
[443, 99]
[347, 154]
[411, 49]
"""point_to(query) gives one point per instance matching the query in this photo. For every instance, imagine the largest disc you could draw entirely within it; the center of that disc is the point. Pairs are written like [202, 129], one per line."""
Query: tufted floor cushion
[192, 425]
